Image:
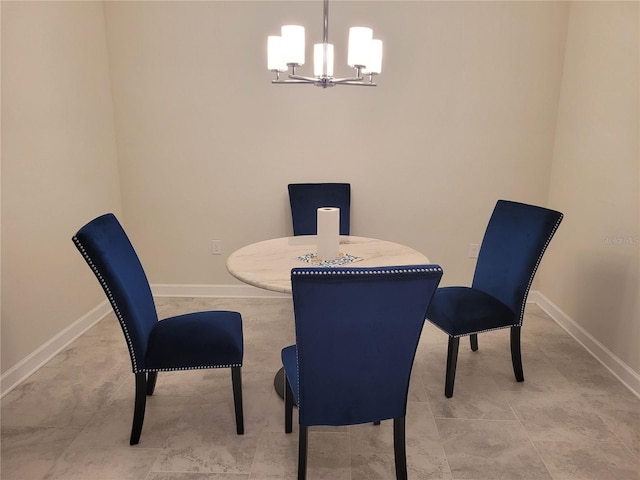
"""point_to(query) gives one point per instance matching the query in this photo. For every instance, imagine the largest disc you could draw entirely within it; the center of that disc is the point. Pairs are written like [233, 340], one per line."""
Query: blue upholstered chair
[192, 341]
[515, 240]
[306, 198]
[357, 330]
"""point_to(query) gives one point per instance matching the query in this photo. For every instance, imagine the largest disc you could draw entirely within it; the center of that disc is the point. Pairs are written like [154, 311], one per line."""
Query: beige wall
[59, 165]
[465, 114]
[592, 271]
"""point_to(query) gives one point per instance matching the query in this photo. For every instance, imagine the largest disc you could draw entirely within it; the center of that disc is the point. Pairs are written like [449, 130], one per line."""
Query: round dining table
[268, 264]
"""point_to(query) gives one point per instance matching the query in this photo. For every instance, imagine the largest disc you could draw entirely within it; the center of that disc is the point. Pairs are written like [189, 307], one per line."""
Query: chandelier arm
[326, 82]
[303, 79]
[349, 79]
[358, 84]
[290, 82]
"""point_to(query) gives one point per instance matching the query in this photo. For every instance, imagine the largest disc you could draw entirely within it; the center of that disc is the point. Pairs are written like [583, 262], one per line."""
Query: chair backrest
[516, 237]
[107, 250]
[306, 198]
[357, 330]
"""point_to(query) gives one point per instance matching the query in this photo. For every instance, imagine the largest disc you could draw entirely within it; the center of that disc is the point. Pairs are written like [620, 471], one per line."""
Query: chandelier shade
[293, 44]
[275, 55]
[323, 59]
[359, 45]
[287, 52]
[374, 66]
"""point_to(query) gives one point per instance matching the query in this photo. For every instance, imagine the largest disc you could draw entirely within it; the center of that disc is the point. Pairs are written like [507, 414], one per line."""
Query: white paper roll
[328, 232]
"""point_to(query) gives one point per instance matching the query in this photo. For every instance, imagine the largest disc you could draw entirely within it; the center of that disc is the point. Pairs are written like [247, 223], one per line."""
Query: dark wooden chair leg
[139, 407]
[516, 354]
[236, 381]
[473, 338]
[151, 382]
[452, 360]
[400, 448]
[302, 453]
[288, 407]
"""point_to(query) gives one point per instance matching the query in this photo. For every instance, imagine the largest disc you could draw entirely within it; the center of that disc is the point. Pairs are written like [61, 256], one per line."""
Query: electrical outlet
[474, 250]
[216, 247]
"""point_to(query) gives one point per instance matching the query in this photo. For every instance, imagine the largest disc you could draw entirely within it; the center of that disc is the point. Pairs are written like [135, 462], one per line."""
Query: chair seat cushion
[290, 364]
[196, 340]
[463, 311]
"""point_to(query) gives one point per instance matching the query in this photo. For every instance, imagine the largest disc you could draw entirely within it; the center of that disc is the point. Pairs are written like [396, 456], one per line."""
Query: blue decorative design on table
[343, 259]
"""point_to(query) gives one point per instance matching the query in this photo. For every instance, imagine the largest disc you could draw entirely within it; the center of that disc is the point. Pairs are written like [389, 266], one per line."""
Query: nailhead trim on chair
[533, 273]
[479, 331]
[343, 271]
[116, 310]
[189, 368]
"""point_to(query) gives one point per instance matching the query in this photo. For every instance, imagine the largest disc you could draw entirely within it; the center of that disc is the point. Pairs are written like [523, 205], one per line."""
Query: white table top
[268, 264]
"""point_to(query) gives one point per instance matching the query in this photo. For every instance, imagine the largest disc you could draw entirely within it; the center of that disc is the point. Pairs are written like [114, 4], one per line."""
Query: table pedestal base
[278, 382]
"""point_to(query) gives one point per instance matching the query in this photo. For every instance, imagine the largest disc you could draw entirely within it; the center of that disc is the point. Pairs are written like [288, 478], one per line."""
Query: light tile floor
[570, 419]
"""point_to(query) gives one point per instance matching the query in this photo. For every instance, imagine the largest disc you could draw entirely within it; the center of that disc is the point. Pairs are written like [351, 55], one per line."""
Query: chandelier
[286, 53]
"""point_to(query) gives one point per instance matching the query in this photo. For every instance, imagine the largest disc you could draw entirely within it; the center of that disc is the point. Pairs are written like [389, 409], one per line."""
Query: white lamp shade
[374, 64]
[359, 45]
[293, 44]
[275, 55]
[323, 60]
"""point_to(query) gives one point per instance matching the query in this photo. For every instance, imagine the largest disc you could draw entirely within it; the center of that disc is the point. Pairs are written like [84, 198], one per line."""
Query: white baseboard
[30, 364]
[225, 291]
[26, 367]
[606, 357]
